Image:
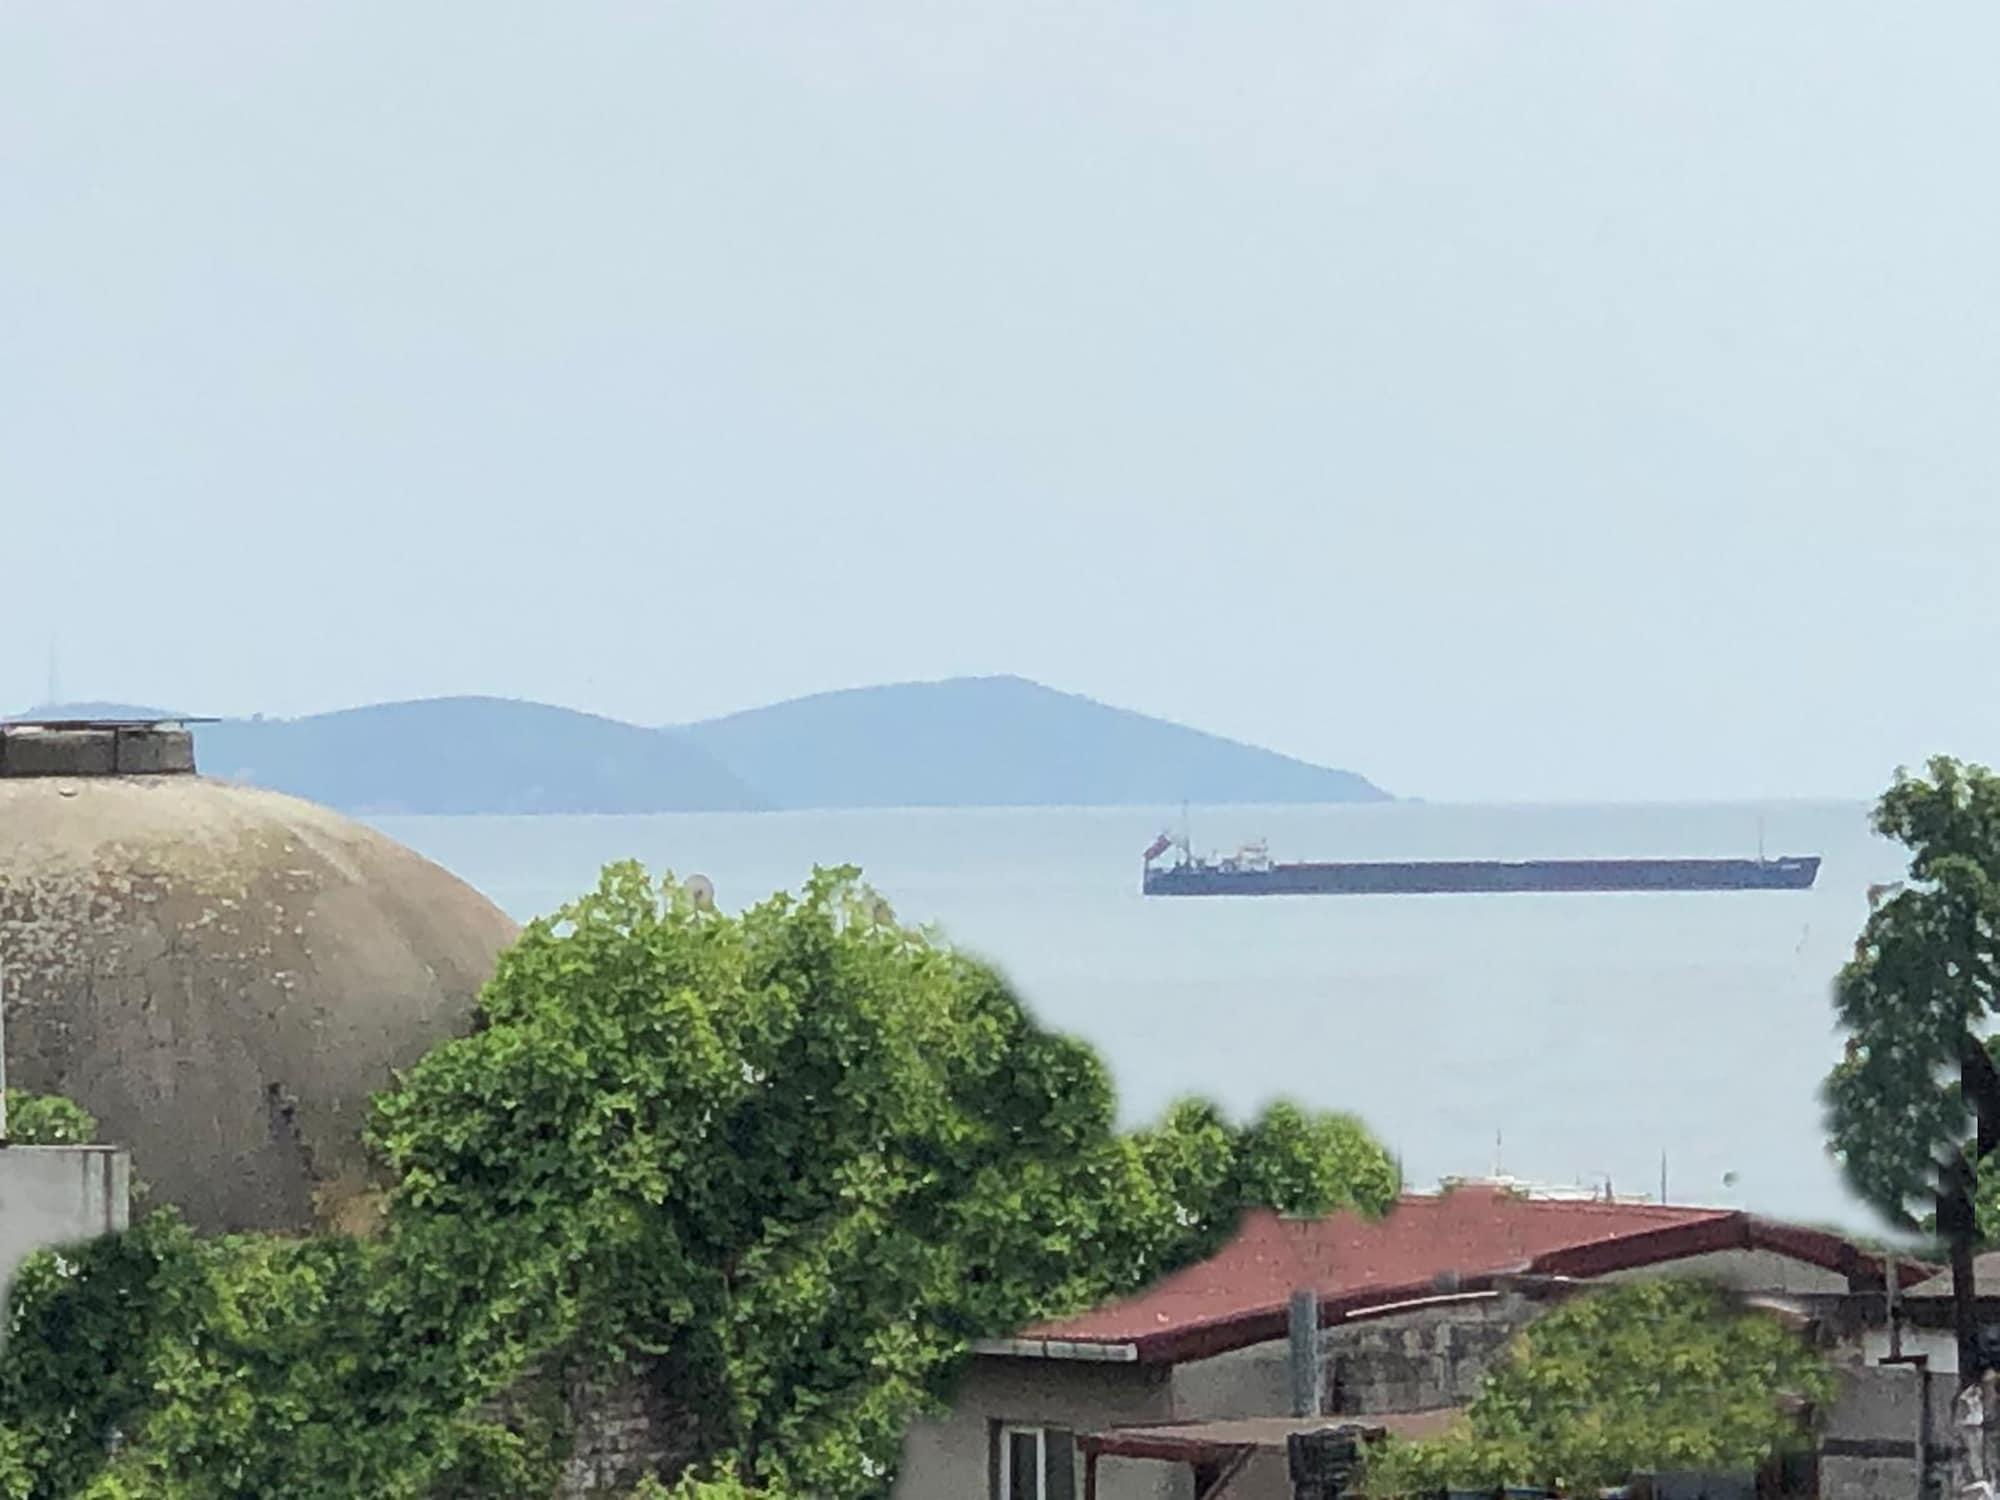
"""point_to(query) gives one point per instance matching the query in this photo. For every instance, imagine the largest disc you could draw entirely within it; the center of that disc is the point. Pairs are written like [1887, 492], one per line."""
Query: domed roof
[223, 976]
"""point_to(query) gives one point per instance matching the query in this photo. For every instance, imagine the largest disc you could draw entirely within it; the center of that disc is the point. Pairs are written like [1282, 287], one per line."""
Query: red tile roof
[1239, 1295]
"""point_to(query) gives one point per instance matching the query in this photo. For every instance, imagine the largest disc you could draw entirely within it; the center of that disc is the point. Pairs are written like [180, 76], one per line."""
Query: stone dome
[222, 975]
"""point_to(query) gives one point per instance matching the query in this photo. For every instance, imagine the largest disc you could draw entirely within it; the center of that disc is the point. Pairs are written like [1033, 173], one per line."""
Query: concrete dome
[223, 976]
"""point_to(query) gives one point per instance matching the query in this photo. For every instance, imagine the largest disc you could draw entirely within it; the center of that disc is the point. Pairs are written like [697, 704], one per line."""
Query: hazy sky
[1504, 400]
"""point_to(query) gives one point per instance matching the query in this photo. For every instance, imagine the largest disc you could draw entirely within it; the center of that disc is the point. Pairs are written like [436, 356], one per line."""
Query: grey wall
[946, 1459]
[1268, 1476]
[1412, 1361]
[51, 1196]
[1253, 1382]
[1424, 1358]
[1871, 1443]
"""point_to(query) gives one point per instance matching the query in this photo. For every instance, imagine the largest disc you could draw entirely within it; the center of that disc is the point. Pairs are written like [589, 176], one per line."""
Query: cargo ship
[1251, 872]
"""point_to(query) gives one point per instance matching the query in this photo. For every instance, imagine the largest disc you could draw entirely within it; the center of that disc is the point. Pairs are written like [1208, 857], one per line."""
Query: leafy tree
[1644, 1376]
[47, 1120]
[804, 1156]
[797, 1159]
[1913, 1108]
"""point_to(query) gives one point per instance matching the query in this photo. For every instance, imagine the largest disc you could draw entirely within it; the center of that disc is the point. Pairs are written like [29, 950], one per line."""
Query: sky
[1519, 400]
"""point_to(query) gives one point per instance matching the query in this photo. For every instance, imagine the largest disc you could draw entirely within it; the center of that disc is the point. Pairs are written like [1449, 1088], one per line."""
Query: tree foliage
[804, 1155]
[1913, 1108]
[797, 1158]
[47, 1120]
[1645, 1376]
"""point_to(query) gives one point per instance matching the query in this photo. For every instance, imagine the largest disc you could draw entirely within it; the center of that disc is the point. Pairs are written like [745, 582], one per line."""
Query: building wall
[1878, 1433]
[1940, 1346]
[1268, 1476]
[1414, 1361]
[1252, 1382]
[946, 1459]
[51, 1196]
[1411, 1361]
[1439, 1355]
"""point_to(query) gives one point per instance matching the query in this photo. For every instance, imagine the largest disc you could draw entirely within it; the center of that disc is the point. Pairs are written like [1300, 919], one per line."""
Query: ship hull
[1449, 877]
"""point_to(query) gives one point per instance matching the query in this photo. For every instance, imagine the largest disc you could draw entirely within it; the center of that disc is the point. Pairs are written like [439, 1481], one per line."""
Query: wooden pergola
[1216, 1452]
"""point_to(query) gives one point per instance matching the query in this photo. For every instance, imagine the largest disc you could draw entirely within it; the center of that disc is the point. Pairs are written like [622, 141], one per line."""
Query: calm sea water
[1582, 1035]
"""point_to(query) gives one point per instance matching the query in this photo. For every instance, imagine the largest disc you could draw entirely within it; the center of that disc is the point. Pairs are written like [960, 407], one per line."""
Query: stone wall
[621, 1431]
[610, 1431]
[1428, 1357]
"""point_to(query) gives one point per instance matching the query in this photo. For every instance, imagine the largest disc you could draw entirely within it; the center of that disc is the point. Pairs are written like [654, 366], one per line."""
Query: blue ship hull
[1442, 877]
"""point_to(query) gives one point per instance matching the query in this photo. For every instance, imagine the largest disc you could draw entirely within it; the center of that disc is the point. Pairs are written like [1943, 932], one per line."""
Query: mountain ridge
[999, 741]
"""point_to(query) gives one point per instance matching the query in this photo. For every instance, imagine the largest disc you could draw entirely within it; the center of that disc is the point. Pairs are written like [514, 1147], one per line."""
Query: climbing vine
[797, 1158]
[1665, 1374]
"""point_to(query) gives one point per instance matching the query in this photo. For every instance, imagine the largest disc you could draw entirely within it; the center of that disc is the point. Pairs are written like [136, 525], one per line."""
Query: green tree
[1913, 1108]
[799, 1159]
[1644, 1376]
[47, 1120]
[804, 1156]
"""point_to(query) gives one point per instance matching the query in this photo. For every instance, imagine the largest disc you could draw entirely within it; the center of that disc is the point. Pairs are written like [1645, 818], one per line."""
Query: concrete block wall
[52, 1196]
[1888, 1435]
[123, 750]
[1424, 1358]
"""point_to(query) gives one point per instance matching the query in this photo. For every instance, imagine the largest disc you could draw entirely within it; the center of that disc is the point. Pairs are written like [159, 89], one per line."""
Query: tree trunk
[1955, 1221]
[1964, 1310]
[1979, 1084]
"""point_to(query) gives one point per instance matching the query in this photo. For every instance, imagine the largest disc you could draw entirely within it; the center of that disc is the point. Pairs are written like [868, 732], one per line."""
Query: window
[1034, 1463]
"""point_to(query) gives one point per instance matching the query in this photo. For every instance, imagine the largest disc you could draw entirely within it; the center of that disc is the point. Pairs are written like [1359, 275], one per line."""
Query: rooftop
[1453, 1242]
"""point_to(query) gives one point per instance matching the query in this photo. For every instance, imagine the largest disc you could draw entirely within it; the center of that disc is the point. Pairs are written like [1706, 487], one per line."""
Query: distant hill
[471, 755]
[998, 741]
[967, 742]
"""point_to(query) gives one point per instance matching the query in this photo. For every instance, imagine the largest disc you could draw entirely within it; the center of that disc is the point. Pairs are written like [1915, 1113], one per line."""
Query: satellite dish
[701, 891]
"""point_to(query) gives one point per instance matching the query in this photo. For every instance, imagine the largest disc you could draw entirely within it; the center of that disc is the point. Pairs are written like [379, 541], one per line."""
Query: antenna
[1663, 1175]
[55, 679]
[1760, 840]
[1497, 1173]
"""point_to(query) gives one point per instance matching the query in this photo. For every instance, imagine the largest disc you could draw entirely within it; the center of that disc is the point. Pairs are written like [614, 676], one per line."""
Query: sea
[1578, 1040]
